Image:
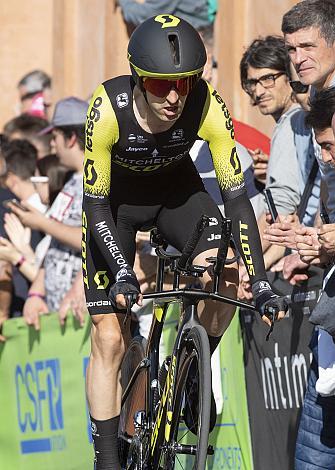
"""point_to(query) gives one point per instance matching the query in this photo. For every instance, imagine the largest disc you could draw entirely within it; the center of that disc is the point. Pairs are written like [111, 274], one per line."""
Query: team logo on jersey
[235, 162]
[137, 138]
[177, 134]
[92, 118]
[101, 279]
[214, 236]
[136, 149]
[120, 275]
[122, 100]
[213, 221]
[263, 286]
[89, 172]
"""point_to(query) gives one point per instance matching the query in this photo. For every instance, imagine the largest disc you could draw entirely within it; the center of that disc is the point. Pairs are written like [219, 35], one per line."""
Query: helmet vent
[175, 49]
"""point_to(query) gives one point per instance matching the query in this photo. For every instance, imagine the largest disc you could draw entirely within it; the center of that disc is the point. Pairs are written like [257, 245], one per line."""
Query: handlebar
[199, 295]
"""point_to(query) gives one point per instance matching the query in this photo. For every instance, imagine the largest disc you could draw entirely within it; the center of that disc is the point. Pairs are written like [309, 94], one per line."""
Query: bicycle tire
[135, 400]
[196, 350]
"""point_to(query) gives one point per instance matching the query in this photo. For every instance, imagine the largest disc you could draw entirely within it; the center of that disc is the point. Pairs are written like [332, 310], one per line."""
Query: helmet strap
[138, 81]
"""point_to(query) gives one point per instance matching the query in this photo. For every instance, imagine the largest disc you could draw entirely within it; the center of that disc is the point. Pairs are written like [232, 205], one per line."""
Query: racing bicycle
[155, 397]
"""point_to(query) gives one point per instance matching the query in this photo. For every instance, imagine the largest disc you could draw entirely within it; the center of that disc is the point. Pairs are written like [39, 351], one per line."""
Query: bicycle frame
[188, 318]
[160, 403]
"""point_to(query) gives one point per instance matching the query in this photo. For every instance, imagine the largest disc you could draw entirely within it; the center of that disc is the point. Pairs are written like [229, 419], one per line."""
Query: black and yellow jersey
[148, 174]
[116, 144]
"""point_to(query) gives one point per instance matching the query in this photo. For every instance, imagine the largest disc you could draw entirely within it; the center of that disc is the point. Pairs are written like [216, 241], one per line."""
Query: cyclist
[138, 174]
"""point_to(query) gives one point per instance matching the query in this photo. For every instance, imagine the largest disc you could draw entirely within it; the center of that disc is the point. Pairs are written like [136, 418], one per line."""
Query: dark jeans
[315, 447]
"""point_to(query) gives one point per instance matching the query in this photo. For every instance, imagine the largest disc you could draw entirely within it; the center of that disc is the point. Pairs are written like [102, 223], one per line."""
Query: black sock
[105, 441]
[213, 342]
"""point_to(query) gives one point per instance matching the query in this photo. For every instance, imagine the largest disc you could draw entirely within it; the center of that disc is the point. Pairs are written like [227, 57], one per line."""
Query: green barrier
[231, 436]
[44, 420]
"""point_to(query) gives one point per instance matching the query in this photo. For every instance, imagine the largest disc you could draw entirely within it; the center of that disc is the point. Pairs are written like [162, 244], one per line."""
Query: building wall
[239, 22]
[83, 42]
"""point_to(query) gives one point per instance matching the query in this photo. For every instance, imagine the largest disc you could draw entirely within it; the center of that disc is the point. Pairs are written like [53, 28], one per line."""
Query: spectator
[62, 261]
[6, 277]
[54, 176]
[17, 248]
[316, 246]
[199, 13]
[18, 160]
[258, 146]
[264, 76]
[35, 94]
[309, 31]
[28, 127]
[5, 267]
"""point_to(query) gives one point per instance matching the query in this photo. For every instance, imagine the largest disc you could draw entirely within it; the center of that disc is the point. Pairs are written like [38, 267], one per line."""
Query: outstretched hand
[30, 217]
[260, 164]
[283, 233]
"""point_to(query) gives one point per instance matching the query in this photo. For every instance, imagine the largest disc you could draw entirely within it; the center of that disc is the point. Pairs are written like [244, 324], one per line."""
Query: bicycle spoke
[182, 466]
[182, 437]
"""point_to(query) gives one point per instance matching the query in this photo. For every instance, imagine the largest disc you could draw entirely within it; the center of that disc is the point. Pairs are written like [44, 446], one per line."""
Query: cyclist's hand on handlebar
[270, 306]
[274, 310]
[126, 289]
[134, 297]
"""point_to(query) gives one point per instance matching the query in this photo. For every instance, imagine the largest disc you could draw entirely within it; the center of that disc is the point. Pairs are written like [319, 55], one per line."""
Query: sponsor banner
[276, 374]
[44, 419]
[230, 437]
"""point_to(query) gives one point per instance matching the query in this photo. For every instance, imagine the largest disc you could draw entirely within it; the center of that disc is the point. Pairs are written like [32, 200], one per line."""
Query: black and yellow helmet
[167, 47]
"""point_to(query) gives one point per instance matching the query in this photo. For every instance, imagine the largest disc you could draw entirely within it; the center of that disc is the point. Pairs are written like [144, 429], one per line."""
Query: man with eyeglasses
[265, 76]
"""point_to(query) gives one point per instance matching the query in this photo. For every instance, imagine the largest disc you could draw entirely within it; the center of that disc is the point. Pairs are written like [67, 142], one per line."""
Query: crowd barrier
[276, 374]
[44, 420]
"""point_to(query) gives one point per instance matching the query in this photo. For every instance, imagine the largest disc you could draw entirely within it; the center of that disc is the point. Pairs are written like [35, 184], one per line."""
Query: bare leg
[216, 316]
[108, 345]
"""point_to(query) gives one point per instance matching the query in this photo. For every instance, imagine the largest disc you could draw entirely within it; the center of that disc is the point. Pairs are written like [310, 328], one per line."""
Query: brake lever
[130, 301]
[274, 313]
[270, 331]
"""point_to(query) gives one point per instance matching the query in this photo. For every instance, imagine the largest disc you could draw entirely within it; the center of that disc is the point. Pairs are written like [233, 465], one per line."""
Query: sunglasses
[162, 87]
[299, 87]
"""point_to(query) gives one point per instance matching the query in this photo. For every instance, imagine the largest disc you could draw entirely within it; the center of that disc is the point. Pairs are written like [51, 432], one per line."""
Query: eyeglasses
[299, 87]
[162, 87]
[267, 81]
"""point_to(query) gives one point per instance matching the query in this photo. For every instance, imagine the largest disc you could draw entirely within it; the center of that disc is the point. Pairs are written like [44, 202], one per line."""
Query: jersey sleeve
[216, 128]
[102, 132]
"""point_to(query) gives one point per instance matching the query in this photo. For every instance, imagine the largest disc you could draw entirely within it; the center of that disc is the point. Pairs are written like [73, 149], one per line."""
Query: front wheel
[188, 449]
